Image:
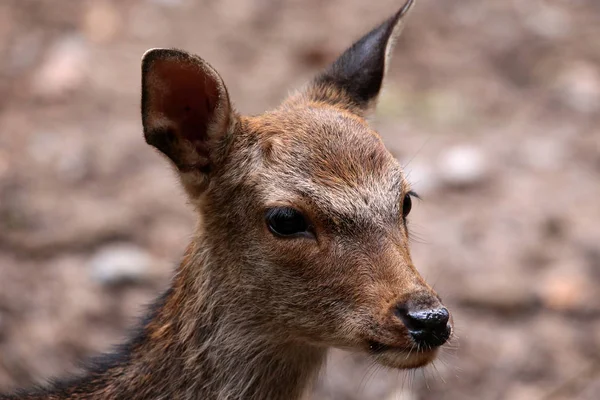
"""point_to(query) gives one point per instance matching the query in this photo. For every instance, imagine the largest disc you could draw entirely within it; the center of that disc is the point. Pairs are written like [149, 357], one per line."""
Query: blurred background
[493, 107]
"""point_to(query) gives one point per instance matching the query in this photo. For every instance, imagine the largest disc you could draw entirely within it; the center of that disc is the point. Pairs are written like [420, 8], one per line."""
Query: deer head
[303, 210]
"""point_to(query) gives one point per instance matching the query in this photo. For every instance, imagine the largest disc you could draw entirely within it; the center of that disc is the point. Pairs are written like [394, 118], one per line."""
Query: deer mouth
[402, 357]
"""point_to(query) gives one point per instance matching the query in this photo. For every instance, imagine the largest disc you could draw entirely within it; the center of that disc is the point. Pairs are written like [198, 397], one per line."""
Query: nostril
[432, 338]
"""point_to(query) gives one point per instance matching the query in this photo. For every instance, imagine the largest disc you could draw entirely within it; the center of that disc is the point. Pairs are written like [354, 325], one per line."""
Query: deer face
[304, 202]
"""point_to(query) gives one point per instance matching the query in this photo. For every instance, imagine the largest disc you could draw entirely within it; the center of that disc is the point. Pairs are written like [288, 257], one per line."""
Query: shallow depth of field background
[493, 106]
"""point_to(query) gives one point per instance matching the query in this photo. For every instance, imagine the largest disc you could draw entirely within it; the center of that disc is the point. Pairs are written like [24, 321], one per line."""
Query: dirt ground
[493, 106]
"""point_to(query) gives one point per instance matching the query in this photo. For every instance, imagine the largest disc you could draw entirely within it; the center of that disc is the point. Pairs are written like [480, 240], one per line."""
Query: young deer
[302, 243]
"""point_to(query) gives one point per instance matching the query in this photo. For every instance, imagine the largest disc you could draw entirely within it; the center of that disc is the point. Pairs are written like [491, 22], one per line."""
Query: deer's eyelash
[414, 194]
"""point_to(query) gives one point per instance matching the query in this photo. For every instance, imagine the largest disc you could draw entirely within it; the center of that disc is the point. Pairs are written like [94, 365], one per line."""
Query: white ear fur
[400, 18]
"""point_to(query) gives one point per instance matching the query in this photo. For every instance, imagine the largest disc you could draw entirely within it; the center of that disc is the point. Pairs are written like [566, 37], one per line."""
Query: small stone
[463, 166]
[565, 292]
[63, 70]
[120, 263]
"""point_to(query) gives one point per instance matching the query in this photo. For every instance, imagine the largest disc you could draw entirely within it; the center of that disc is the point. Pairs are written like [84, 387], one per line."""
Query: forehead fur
[329, 157]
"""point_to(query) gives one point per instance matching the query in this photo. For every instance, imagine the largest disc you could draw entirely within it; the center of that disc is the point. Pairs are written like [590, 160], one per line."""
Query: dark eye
[406, 205]
[287, 222]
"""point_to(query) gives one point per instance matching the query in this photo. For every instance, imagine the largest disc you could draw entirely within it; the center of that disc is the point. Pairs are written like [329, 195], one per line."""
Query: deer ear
[358, 73]
[186, 112]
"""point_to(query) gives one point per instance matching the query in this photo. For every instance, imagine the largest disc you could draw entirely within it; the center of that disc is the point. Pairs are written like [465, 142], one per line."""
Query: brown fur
[250, 315]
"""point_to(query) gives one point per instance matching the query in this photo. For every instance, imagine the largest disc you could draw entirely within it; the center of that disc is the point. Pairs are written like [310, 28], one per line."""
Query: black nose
[428, 327]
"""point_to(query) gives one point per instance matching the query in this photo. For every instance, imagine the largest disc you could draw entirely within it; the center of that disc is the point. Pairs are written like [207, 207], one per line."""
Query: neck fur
[203, 343]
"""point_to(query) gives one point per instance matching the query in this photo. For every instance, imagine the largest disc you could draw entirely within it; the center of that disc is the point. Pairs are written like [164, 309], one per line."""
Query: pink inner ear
[187, 95]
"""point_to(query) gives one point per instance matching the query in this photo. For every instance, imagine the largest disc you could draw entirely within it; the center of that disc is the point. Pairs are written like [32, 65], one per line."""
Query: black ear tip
[402, 12]
[406, 8]
[360, 70]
